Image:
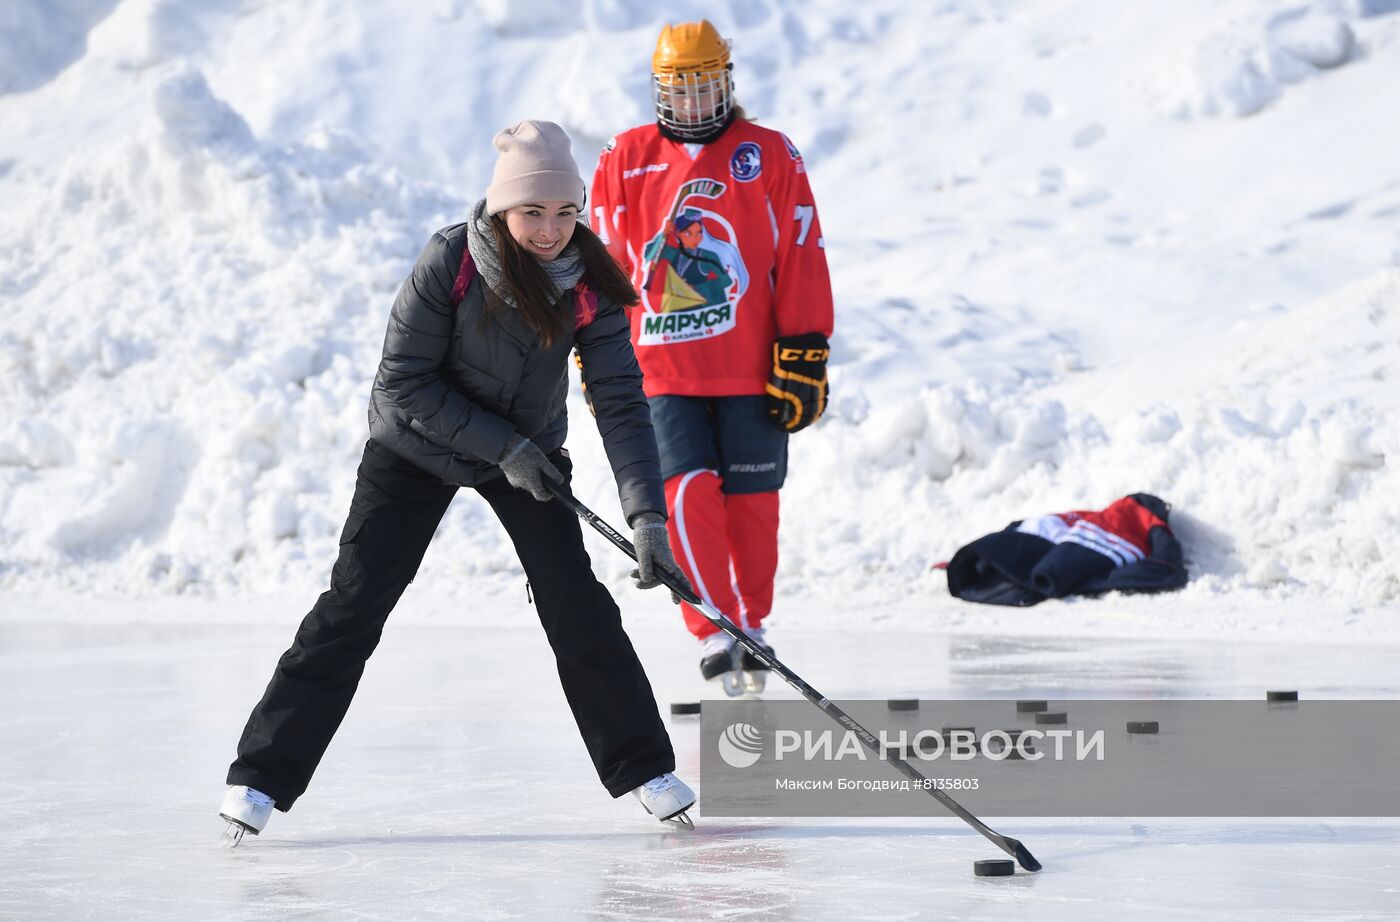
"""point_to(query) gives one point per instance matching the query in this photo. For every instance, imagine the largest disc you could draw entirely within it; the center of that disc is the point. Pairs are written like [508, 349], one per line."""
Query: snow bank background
[1078, 252]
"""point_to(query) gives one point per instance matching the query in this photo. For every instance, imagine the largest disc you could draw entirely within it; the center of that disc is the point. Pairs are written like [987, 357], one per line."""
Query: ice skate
[753, 674]
[666, 797]
[246, 810]
[717, 661]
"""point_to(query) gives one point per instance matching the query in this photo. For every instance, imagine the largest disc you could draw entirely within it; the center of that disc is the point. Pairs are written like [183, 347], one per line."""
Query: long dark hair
[532, 290]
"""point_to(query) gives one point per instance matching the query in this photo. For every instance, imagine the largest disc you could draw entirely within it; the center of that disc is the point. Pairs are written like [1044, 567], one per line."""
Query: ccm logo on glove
[804, 355]
[797, 388]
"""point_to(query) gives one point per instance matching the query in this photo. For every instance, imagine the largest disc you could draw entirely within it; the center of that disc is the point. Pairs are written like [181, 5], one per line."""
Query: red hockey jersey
[724, 247]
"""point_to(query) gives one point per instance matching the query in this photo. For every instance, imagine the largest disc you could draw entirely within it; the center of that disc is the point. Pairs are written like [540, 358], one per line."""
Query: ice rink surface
[458, 788]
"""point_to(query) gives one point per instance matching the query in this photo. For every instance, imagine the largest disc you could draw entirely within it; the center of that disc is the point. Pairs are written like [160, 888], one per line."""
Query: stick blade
[1023, 856]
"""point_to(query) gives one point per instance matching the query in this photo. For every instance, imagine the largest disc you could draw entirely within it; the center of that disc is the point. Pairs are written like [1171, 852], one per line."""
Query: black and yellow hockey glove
[797, 386]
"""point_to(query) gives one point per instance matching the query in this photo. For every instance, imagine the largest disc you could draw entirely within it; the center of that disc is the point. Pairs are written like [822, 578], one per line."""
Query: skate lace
[658, 785]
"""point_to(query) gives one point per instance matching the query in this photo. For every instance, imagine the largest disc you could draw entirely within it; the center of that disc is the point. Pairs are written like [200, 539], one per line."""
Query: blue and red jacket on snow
[1126, 547]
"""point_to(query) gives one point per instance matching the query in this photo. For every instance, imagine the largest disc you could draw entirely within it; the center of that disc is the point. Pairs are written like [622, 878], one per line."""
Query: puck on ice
[1031, 707]
[903, 704]
[1052, 717]
[1006, 750]
[1142, 726]
[1281, 696]
[994, 867]
[685, 708]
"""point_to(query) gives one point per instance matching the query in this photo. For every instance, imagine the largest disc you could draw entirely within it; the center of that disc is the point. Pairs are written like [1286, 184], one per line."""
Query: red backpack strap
[465, 273]
[585, 305]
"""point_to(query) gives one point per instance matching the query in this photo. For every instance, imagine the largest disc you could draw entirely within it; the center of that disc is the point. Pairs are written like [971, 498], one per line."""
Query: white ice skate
[667, 797]
[247, 810]
[718, 661]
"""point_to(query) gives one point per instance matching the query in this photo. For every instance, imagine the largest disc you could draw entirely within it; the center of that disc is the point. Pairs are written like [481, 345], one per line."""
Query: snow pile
[1280, 465]
[39, 38]
[1050, 293]
[1240, 68]
[198, 313]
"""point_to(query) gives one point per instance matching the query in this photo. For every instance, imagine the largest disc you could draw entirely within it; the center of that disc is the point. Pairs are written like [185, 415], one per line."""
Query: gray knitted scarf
[563, 271]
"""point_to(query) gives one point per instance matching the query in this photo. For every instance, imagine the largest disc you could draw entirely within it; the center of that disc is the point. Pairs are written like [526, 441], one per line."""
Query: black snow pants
[394, 513]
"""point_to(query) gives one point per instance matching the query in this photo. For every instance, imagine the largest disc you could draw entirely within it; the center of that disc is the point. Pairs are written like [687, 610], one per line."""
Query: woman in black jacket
[470, 392]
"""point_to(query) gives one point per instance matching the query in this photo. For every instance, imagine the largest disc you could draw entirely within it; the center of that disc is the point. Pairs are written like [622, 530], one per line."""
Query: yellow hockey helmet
[691, 47]
[692, 85]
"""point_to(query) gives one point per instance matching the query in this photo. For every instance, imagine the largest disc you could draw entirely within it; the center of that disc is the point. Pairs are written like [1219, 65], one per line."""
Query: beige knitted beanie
[534, 166]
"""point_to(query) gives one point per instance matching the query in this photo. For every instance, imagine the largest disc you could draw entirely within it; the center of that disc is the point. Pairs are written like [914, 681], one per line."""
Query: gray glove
[525, 466]
[653, 553]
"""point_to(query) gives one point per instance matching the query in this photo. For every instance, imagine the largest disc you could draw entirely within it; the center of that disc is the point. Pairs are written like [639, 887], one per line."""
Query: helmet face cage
[693, 105]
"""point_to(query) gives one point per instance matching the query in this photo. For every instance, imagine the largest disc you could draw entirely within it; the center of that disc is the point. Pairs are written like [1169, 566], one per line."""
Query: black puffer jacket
[449, 393]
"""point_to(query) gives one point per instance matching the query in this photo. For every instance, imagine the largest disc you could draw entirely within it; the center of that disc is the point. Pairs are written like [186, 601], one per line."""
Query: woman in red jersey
[713, 217]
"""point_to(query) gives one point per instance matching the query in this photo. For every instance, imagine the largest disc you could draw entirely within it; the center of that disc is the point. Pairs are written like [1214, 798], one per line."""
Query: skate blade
[233, 834]
[680, 821]
[754, 681]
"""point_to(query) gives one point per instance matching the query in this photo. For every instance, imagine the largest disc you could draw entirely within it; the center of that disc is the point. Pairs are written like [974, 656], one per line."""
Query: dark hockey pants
[394, 513]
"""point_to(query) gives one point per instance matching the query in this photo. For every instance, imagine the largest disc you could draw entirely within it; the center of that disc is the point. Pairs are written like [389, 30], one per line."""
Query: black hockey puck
[1281, 695]
[903, 704]
[1031, 707]
[994, 867]
[1052, 717]
[685, 708]
[1142, 726]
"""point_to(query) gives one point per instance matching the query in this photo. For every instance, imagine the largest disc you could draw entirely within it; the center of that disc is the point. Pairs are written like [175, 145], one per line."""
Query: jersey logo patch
[694, 275]
[746, 163]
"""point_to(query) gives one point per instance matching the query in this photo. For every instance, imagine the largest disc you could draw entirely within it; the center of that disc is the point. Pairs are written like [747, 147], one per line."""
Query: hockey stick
[1012, 847]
